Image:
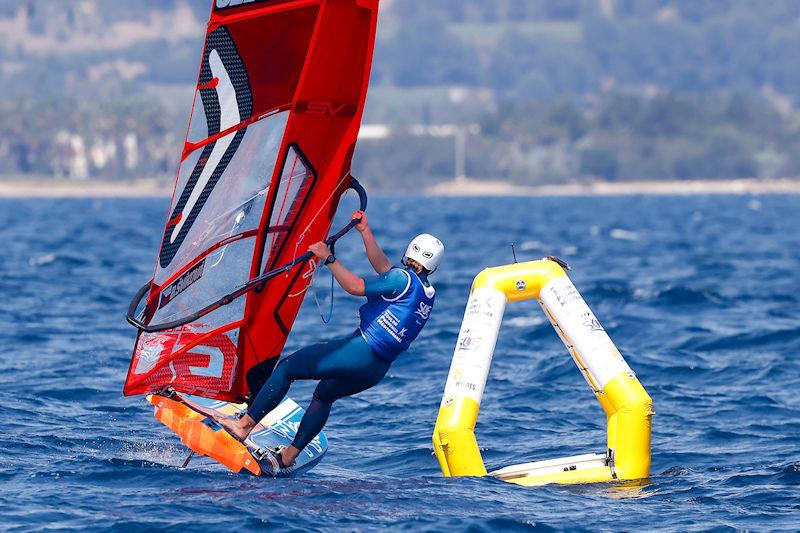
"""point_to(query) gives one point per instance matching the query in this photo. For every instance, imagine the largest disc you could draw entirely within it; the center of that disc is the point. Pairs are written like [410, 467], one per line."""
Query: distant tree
[423, 52]
[599, 162]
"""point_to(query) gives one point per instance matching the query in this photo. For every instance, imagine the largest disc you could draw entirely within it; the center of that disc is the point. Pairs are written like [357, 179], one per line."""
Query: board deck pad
[191, 418]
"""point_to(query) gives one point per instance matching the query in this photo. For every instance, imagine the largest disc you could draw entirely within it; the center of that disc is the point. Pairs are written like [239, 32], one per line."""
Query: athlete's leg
[313, 421]
[302, 364]
[305, 363]
[327, 392]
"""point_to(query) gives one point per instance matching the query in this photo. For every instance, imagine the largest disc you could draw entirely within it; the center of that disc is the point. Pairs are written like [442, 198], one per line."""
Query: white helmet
[426, 250]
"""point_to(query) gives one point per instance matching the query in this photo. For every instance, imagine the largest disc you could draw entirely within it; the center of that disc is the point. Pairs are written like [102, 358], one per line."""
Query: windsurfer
[399, 302]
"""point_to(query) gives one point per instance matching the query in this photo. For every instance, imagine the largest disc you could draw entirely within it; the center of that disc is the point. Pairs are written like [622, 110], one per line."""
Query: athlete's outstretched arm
[375, 254]
[349, 281]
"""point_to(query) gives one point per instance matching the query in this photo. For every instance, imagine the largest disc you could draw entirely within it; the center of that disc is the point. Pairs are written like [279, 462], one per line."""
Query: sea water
[699, 293]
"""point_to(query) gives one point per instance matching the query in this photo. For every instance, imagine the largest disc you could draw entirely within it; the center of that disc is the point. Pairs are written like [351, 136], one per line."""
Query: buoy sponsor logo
[478, 307]
[592, 324]
[564, 292]
[460, 379]
[469, 340]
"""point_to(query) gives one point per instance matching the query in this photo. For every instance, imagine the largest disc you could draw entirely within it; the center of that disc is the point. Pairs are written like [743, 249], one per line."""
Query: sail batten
[276, 113]
[190, 147]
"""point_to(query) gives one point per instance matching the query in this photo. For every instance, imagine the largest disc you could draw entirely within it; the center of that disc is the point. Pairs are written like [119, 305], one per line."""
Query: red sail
[267, 156]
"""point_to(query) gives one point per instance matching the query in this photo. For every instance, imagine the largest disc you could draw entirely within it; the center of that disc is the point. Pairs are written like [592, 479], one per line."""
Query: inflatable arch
[627, 406]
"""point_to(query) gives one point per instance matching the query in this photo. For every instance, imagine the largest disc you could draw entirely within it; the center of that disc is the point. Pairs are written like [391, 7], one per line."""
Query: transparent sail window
[297, 179]
[237, 201]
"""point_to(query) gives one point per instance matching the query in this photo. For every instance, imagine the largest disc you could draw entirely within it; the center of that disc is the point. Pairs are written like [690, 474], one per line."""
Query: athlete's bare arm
[351, 283]
[375, 254]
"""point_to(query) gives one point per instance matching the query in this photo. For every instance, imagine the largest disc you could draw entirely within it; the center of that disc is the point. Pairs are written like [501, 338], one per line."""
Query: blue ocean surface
[699, 293]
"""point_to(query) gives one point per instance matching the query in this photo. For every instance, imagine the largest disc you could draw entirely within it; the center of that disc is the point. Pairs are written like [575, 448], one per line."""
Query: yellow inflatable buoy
[627, 406]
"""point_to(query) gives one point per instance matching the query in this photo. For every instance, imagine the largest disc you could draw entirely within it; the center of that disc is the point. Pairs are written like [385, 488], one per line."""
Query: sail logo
[149, 352]
[328, 109]
[216, 362]
[182, 283]
[222, 4]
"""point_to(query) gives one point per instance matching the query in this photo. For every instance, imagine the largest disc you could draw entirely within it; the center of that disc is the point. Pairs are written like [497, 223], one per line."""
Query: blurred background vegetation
[546, 91]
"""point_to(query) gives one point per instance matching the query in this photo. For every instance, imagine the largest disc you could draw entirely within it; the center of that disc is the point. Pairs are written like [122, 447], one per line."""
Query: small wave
[675, 471]
[154, 454]
[140, 463]
[569, 250]
[524, 321]
[687, 295]
[791, 474]
[529, 246]
[42, 260]
[751, 339]
[623, 235]
[609, 290]
[66, 259]
[644, 294]
[788, 475]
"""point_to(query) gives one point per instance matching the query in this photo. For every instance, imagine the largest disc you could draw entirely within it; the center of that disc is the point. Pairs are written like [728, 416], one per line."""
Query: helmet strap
[404, 262]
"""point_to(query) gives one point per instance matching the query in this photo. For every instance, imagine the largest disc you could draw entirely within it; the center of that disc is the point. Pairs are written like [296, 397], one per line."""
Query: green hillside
[537, 76]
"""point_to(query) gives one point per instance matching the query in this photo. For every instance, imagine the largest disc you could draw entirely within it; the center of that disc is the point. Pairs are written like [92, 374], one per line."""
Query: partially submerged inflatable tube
[627, 406]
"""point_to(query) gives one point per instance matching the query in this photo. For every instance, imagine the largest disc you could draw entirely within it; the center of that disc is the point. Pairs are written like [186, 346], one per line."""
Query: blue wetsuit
[344, 366]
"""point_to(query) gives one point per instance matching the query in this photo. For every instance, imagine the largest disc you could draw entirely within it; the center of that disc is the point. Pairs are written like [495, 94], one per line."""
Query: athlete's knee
[283, 371]
[278, 383]
[325, 393]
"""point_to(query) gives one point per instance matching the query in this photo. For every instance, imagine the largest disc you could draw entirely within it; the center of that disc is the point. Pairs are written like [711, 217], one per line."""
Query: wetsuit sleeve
[390, 284]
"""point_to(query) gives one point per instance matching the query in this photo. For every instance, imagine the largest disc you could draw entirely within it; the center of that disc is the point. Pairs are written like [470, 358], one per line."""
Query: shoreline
[150, 188]
[472, 187]
[58, 188]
